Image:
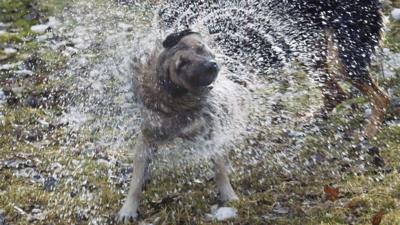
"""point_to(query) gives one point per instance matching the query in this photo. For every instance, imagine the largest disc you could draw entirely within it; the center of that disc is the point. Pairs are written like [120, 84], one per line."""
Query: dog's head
[187, 63]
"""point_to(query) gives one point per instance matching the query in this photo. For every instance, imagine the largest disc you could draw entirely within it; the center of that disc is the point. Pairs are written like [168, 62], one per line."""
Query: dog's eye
[200, 50]
[182, 63]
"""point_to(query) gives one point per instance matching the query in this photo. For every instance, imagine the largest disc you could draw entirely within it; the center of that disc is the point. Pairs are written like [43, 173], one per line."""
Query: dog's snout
[208, 73]
[211, 66]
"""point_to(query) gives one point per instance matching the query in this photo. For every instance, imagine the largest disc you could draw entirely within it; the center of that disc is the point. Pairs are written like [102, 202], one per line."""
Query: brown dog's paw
[371, 130]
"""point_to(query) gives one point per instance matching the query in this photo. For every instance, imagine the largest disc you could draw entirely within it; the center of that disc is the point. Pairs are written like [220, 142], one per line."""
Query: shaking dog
[174, 87]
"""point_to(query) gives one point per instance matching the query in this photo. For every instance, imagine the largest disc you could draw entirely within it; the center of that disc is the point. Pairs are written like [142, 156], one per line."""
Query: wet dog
[174, 87]
[351, 30]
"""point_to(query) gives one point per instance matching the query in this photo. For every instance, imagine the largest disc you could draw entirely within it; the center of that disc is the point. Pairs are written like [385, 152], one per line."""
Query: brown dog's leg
[333, 93]
[222, 179]
[329, 67]
[379, 102]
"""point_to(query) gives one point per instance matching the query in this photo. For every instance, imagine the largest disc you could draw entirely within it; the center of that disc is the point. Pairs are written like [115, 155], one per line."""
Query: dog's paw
[127, 214]
[229, 196]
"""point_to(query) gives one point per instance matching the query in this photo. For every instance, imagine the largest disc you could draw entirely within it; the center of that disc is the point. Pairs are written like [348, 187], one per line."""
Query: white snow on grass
[40, 28]
[222, 213]
[396, 14]
[10, 50]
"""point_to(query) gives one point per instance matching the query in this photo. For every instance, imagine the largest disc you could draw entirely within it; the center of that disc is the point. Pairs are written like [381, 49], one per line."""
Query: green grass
[171, 197]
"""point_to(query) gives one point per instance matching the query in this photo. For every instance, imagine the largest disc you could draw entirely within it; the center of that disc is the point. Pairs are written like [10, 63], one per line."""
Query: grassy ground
[46, 183]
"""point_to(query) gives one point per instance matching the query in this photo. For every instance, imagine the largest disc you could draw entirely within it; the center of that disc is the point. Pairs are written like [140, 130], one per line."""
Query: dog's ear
[173, 39]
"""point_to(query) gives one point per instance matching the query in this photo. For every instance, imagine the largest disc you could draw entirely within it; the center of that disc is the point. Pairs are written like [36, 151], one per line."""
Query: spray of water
[266, 89]
[262, 103]
[103, 102]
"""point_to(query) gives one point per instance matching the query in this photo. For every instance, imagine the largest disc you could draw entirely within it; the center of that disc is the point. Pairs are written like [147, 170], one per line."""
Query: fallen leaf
[376, 220]
[331, 193]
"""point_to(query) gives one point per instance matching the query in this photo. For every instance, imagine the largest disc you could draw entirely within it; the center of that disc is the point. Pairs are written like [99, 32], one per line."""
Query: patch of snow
[36, 215]
[71, 50]
[43, 122]
[56, 167]
[396, 14]
[104, 162]
[385, 3]
[10, 50]
[59, 45]
[82, 61]
[280, 210]
[9, 66]
[222, 213]
[293, 133]
[42, 38]
[53, 22]
[31, 173]
[74, 118]
[40, 28]
[80, 43]
[125, 27]
[4, 26]
[24, 72]
[391, 62]
[367, 113]
[15, 164]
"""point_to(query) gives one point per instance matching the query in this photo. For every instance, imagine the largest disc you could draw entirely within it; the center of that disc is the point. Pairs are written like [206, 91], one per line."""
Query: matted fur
[199, 121]
[224, 105]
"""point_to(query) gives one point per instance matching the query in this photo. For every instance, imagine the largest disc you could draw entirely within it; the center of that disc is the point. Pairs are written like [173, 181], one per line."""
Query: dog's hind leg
[140, 167]
[379, 102]
[357, 34]
[355, 68]
[331, 66]
[332, 92]
[222, 170]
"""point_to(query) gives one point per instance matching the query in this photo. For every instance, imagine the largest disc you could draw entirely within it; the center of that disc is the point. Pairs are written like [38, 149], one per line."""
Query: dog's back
[355, 26]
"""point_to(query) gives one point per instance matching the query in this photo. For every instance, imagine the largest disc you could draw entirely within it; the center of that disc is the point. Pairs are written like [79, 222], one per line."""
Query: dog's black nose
[211, 66]
[206, 74]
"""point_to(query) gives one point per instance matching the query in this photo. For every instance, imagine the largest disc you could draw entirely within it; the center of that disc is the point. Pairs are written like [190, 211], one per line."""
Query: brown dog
[174, 86]
[335, 67]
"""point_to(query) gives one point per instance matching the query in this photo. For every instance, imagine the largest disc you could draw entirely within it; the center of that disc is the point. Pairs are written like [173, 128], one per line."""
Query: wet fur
[352, 30]
[169, 111]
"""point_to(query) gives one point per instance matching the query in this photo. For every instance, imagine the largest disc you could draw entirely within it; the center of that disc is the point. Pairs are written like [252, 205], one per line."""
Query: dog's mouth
[207, 80]
[200, 84]
[200, 90]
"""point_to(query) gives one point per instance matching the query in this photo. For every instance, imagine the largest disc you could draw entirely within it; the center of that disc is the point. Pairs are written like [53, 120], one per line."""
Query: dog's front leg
[224, 186]
[140, 167]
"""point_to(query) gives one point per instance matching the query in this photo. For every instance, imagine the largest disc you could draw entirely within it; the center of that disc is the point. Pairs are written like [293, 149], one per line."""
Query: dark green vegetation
[43, 182]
